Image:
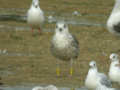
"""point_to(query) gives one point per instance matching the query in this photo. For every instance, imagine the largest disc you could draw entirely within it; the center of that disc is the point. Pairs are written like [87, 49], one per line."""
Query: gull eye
[113, 57]
[60, 29]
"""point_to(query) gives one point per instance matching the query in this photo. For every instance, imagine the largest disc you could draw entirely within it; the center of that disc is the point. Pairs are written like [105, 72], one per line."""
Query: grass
[96, 43]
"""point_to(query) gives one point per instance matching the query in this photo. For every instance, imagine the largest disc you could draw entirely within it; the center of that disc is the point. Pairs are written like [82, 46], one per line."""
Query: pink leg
[32, 30]
[39, 30]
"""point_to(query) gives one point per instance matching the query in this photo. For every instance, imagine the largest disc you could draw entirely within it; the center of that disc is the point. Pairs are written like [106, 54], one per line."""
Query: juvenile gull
[64, 46]
[94, 77]
[50, 87]
[113, 23]
[35, 16]
[114, 71]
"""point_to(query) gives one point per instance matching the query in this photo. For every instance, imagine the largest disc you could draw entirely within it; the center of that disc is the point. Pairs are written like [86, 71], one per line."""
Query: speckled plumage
[64, 45]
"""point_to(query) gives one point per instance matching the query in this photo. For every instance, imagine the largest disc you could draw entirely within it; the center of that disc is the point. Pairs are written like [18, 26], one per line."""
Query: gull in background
[114, 71]
[64, 45]
[50, 87]
[113, 23]
[35, 16]
[103, 87]
[94, 77]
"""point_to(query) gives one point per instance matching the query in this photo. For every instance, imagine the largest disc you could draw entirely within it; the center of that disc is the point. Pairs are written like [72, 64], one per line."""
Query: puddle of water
[24, 10]
[30, 88]
[17, 28]
[18, 18]
[5, 52]
[5, 73]
[5, 28]
[18, 54]
[51, 19]
[15, 88]
[85, 23]
[13, 9]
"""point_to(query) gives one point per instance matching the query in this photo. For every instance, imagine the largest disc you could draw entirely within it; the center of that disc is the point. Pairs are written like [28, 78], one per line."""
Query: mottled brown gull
[64, 45]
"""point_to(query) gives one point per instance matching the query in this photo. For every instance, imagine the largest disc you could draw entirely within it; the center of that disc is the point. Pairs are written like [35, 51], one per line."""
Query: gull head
[35, 3]
[92, 64]
[51, 87]
[114, 57]
[61, 28]
[38, 88]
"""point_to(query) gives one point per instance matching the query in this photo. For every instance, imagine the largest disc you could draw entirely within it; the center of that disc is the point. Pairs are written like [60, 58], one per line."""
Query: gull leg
[32, 30]
[40, 30]
[71, 67]
[58, 69]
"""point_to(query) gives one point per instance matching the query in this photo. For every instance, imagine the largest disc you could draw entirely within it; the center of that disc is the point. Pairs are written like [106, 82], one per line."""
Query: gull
[50, 19]
[113, 22]
[76, 13]
[38, 88]
[94, 77]
[64, 46]
[114, 71]
[35, 16]
[103, 87]
[50, 87]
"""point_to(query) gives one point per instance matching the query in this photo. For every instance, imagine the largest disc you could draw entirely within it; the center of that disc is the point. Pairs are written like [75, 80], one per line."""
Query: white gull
[49, 87]
[114, 71]
[113, 22]
[94, 77]
[35, 16]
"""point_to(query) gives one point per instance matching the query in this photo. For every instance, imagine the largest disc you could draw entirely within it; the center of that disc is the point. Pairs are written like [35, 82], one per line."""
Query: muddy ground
[36, 65]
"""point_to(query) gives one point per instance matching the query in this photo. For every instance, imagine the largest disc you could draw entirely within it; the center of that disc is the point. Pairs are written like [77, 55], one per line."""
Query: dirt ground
[95, 43]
